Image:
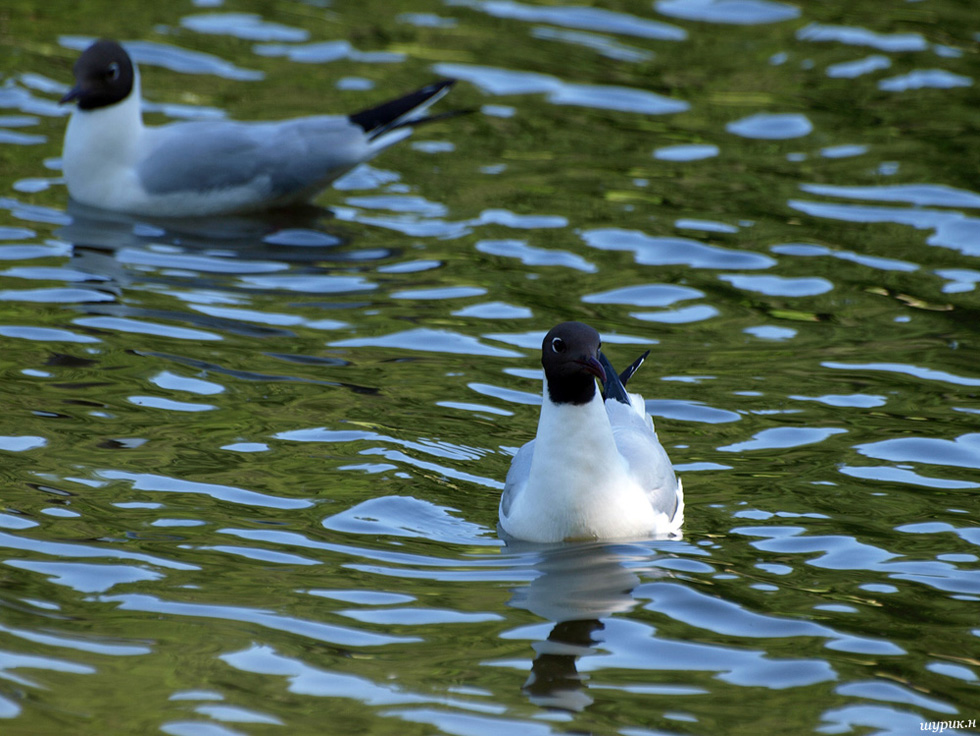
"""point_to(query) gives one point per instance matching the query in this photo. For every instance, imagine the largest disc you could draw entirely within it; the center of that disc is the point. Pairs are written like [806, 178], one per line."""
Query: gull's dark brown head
[570, 357]
[104, 75]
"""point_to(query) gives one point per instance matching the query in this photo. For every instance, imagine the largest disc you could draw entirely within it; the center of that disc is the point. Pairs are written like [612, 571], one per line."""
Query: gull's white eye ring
[558, 345]
[113, 71]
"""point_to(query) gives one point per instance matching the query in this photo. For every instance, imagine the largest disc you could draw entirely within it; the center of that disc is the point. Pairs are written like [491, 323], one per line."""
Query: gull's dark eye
[558, 345]
[112, 71]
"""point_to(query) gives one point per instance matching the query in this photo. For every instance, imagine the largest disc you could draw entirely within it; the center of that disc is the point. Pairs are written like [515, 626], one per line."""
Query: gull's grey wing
[520, 470]
[285, 158]
[282, 161]
[648, 462]
[636, 438]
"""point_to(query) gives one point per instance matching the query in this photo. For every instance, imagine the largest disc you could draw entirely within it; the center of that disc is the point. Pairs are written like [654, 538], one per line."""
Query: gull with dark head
[595, 470]
[113, 161]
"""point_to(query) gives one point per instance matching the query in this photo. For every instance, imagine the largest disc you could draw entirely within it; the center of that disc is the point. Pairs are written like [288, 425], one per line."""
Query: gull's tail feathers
[405, 112]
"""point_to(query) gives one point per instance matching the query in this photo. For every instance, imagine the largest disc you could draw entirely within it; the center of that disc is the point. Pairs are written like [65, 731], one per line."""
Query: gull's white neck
[574, 450]
[101, 147]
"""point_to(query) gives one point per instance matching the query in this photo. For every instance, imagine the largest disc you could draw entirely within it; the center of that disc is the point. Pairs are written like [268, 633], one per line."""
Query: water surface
[251, 465]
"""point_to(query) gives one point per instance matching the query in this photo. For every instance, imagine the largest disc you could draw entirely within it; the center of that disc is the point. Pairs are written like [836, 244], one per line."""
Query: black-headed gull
[595, 470]
[112, 161]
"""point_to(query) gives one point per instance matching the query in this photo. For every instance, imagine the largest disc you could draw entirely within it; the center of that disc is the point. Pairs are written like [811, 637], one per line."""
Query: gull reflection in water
[292, 233]
[118, 249]
[578, 586]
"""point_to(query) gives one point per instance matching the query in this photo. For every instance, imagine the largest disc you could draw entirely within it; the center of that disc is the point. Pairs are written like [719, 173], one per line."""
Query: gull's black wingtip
[397, 113]
[628, 373]
[614, 387]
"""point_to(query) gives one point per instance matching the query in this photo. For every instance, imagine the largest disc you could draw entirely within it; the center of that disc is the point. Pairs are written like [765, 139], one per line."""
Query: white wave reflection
[844, 150]
[311, 283]
[95, 645]
[855, 36]
[305, 679]
[695, 608]
[143, 327]
[921, 195]
[14, 661]
[316, 630]
[960, 279]
[166, 258]
[652, 250]
[172, 381]
[259, 554]
[84, 577]
[686, 152]
[531, 256]
[21, 442]
[172, 57]
[780, 285]
[158, 402]
[510, 219]
[856, 401]
[893, 693]
[961, 452]
[928, 374]
[734, 12]
[428, 340]
[889, 474]
[840, 552]
[404, 516]
[44, 334]
[54, 295]
[645, 295]
[859, 67]
[224, 713]
[772, 126]
[578, 16]
[322, 52]
[247, 26]
[439, 293]
[230, 494]
[13, 138]
[684, 315]
[783, 438]
[499, 81]
[925, 79]
[808, 250]
[434, 448]
[74, 550]
[494, 310]
[709, 226]
[690, 411]
[604, 45]
[417, 616]
[952, 229]
[969, 534]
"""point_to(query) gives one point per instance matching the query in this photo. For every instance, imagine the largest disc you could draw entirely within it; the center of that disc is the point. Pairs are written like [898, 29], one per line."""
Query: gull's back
[637, 441]
[279, 160]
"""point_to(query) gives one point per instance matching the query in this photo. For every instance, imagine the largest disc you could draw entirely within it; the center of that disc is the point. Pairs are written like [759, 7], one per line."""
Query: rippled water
[251, 466]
